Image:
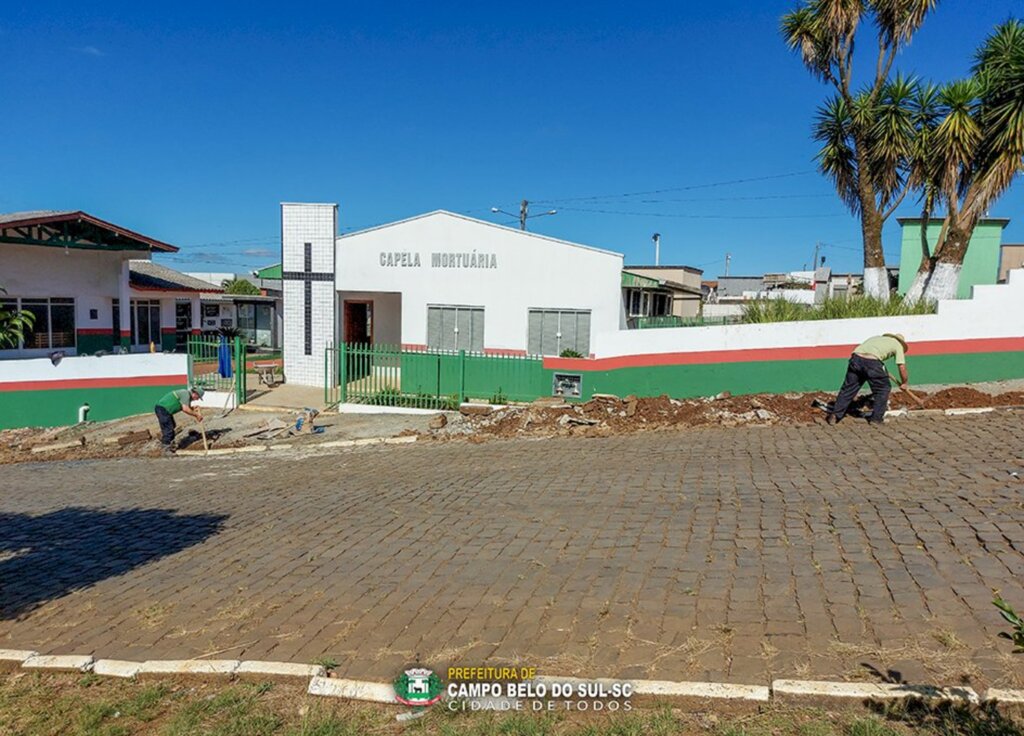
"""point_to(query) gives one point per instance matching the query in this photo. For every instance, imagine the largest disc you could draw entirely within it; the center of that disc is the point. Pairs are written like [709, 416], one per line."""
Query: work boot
[169, 450]
[831, 419]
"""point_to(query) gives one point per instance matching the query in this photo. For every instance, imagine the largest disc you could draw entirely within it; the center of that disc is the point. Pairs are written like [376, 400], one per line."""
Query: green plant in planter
[570, 353]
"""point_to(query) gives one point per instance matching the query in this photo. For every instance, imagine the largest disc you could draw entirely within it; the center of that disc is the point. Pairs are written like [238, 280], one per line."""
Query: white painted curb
[998, 695]
[373, 692]
[868, 691]
[280, 669]
[64, 662]
[708, 690]
[16, 655]
[189, 667]
[116, 668]
[965, 412]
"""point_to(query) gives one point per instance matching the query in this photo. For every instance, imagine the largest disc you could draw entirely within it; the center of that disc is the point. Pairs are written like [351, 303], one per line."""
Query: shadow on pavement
[45, 557]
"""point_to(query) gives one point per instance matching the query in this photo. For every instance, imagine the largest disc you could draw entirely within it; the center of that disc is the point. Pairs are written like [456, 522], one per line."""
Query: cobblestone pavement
[720, 554]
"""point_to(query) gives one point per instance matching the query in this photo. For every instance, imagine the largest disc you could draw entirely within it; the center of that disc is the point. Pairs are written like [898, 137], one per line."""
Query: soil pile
[609, 415]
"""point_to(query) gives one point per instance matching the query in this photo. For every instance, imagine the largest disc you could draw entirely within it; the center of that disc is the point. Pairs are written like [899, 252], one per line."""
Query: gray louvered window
[552, 331]
[455, 327]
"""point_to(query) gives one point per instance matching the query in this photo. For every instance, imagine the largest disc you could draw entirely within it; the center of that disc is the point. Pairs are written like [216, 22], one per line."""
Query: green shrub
[570, 353]
[783, 310]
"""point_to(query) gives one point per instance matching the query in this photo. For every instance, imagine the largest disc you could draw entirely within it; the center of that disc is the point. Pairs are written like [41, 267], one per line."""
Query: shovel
[910, 393]
[202, 428]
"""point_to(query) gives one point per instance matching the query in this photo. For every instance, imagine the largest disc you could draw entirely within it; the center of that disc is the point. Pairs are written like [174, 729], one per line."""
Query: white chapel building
[438, 281]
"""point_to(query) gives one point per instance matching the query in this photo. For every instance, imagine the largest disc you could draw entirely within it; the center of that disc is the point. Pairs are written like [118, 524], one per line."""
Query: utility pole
[657, 248]
[728, 259]
[814, 263]
[524, 213]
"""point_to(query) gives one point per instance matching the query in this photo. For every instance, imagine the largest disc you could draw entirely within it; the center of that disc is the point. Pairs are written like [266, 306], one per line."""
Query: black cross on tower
[307, 276]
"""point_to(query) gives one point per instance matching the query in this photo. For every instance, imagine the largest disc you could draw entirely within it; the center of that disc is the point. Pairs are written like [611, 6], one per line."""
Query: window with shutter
[455, 327]
[553, 331]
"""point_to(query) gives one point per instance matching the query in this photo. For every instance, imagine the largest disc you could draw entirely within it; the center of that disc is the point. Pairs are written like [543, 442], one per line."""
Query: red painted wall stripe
[819, 352]
[176, 380]
[95, 331]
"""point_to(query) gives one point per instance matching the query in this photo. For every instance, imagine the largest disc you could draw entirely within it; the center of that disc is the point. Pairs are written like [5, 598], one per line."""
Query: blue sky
[191, 122]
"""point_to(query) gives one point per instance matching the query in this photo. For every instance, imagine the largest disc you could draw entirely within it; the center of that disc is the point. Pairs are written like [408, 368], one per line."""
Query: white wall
[88, 366]
[531, 271]
[90, 277]
[992, 312]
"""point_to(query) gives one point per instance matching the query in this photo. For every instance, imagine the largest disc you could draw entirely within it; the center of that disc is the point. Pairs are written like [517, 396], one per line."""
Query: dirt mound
[609, 415]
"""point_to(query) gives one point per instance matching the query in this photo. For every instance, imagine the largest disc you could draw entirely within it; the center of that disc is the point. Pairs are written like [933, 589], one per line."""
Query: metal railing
[205, 358]
[389, 375]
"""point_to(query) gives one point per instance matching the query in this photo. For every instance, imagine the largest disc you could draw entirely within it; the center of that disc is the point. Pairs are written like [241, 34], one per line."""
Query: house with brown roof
[91, 286]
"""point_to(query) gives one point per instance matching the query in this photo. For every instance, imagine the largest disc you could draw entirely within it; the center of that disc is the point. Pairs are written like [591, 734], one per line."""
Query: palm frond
[899, 20]
[833, 128]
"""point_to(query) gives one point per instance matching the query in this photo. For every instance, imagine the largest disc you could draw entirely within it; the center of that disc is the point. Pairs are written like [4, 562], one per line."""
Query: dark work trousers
[858, 372]
[166, 420]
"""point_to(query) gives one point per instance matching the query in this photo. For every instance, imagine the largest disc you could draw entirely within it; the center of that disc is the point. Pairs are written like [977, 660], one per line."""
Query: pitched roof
[476, 221]
[149, 276]
[73, 229]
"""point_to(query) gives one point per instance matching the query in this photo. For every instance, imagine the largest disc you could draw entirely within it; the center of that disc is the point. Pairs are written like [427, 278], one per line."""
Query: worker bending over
[172, 402]
[867, 365]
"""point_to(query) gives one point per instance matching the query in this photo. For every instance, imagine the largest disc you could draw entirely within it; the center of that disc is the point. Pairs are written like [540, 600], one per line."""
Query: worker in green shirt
[170, 404]
[867, 365]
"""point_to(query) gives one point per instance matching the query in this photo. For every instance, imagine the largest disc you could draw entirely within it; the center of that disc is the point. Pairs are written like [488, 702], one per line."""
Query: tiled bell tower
[308, 234]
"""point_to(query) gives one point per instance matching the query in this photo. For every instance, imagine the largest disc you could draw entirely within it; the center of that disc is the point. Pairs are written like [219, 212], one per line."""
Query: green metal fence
[204, 365]
[671, 320]
[388, 375]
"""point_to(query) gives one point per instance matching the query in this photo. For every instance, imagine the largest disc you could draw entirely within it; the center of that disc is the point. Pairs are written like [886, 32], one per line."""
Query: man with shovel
[172, 402]
[867, 365]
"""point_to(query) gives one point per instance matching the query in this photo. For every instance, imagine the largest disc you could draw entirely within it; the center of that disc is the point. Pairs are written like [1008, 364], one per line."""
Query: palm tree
[976, 151]
[866, 135]
[13, 325]
[239, 286]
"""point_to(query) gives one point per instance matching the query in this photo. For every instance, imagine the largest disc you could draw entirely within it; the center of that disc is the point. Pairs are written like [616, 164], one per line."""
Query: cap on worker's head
[197, 391]
[897, 336]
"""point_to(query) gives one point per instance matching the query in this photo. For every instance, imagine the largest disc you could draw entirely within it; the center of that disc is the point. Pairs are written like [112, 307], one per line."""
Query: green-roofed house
[981, 265]
[661, 296]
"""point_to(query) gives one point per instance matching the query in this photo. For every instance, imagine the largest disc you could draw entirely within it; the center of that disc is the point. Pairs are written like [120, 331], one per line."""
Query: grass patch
[783, 310]
[36, 704]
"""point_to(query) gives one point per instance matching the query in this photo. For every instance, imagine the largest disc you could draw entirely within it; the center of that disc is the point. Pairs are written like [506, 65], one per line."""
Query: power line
[711, 185]
[697, 217]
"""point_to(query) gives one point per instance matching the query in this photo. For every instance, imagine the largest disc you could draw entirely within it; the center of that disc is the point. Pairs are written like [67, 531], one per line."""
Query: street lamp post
[524, 213]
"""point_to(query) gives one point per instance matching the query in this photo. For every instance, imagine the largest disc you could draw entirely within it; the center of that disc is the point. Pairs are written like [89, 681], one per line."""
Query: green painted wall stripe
[55, 408]
[782, 376]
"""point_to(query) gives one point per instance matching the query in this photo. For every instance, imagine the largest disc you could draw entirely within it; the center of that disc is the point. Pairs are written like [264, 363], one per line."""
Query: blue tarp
[224, 359]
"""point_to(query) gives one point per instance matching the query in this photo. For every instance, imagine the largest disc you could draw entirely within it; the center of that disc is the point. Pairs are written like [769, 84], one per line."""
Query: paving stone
[640, 554]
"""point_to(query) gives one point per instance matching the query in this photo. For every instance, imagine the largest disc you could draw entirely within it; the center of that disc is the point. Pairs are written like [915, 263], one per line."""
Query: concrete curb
[819, 692]
[11, 659]
[999, 695]
[702, 694]
[189, 667]
[116, 668]
[372, 692]
[59, 662]
[280, 669]
[701, 690]
[223, 451]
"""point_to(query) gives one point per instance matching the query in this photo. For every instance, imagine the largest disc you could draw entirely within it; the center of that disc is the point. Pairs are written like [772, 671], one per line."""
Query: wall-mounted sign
[464, 259]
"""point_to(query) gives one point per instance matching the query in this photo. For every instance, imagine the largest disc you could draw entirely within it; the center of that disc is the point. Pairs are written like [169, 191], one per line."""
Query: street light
[524, 213]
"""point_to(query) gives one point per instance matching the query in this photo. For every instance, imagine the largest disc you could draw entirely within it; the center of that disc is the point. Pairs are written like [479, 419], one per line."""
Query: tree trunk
[876, 277]
[945, 280]
[924, 271]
